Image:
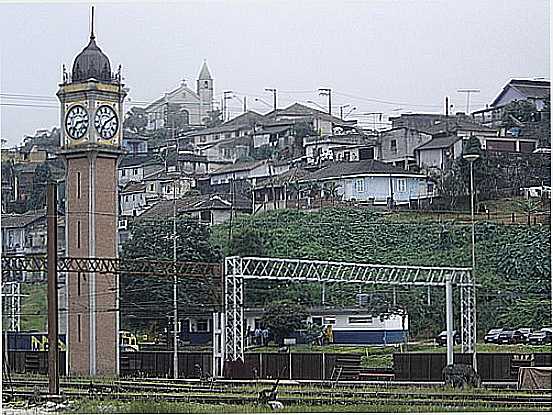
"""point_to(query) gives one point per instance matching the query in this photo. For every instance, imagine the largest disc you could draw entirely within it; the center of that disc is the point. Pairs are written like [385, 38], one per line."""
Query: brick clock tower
[91, 101]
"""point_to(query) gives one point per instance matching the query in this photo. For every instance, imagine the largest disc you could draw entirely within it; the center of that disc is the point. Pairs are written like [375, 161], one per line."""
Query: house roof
[356, 168]
[527, 87]
[240, 166]
[186, 204]
[14, 220]
[298, 110]
[247, 119]
[439, 142]
[292, 175]
[134, 187]
[132, 160]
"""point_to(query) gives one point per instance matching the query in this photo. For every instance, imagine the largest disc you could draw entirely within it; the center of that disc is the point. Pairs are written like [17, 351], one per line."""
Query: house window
[393, 146]
[330, 320]
[205, 216]
[346, 156]
[135, 171]
[123, 173]
[359, 185]
[401, 185]
[202, 326]
[203, 139]
[360, 320]
[228, 135]
[152, 187]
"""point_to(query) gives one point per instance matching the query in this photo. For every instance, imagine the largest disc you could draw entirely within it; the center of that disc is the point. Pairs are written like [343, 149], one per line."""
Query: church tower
[91, 100]
[204, 88]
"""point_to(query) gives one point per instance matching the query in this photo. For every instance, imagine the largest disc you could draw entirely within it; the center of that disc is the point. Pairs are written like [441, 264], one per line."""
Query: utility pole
[52, 260]
[175, 292]
[327, 92]
[468, 92]
[226, 96]
[274, 91]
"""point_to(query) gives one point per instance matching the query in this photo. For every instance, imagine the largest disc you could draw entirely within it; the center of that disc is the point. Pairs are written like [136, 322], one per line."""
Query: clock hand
[107, 121]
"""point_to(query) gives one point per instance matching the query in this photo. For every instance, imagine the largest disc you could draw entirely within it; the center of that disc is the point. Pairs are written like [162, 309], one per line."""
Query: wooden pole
[52, 255]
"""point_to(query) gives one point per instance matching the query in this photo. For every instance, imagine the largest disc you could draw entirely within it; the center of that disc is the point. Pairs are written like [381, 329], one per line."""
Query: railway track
[289, 395]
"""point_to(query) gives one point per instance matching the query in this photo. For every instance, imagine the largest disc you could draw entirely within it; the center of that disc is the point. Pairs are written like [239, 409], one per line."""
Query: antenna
[92, 24]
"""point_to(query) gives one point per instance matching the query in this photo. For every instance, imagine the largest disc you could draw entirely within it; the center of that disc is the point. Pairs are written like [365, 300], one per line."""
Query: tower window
[78, 234]
[78, 185]
[79, 327]
[79, 284]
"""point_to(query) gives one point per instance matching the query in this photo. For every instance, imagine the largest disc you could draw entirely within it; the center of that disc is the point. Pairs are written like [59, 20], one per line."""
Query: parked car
[510, 337]
[441, 339]
[526, 332]
[492, 336]
[540, 337]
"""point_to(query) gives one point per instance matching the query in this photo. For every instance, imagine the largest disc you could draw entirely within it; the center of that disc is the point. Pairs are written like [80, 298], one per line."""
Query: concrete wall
[406, 141]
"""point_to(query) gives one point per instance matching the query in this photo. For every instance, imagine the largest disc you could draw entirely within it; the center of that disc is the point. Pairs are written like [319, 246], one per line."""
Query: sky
[377, 56]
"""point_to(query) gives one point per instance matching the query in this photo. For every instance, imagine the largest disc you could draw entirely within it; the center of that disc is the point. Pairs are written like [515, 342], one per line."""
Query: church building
[191, 105]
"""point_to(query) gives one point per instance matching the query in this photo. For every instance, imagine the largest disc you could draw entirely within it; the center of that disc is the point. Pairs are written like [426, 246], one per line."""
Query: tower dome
[91, 62]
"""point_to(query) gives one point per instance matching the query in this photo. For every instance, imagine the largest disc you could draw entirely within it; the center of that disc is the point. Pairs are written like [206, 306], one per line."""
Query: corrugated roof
[14, 220]
[241, 166]
[293, 175]
[134, 187]
[439, 142]
[187, 204]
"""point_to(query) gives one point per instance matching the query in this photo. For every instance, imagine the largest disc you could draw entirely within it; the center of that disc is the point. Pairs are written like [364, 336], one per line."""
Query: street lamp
[471, 157]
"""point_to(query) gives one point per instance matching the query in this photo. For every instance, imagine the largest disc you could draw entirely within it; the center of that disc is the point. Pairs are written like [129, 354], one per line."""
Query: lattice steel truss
[239, 269]
[38, 263]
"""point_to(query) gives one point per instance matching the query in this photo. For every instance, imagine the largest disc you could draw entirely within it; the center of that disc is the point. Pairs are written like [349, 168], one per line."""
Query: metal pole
[175, 313]
[473, 256]
[52, 255]
[449, 318]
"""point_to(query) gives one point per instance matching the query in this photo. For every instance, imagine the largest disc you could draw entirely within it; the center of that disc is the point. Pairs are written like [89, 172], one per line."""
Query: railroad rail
[247, 393]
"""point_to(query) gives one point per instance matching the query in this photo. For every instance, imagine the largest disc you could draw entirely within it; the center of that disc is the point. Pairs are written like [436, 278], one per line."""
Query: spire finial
[92, 24]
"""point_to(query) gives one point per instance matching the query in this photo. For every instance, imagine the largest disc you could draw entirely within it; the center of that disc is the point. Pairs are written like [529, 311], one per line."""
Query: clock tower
[91, 100]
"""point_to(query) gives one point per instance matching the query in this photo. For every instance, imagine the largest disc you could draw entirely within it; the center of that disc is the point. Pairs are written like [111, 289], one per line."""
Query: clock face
[106, 122]
[76, 122]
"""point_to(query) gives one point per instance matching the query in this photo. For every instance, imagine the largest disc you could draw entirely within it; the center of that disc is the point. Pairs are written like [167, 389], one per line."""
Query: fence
[491, 366]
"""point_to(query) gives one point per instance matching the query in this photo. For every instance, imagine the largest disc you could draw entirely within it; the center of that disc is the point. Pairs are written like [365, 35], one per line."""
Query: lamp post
[471, 158]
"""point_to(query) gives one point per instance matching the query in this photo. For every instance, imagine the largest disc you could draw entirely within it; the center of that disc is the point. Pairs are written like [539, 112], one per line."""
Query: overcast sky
[408, 55]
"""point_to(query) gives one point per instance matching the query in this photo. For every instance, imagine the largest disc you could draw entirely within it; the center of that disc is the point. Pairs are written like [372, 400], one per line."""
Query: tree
[136, 120]
[283, 317]
[214, 118]
[150, 298]
[247, 243]
[37, 198]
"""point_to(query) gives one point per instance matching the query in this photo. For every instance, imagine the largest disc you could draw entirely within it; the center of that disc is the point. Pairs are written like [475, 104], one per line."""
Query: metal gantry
[38, 263]
[238, 269]
[11, 298]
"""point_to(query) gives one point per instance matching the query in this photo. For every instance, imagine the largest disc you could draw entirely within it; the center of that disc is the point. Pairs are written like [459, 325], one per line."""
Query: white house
[133, 199]
[373, 181]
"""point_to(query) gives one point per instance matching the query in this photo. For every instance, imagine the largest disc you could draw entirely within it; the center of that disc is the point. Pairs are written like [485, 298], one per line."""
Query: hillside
[512, 261]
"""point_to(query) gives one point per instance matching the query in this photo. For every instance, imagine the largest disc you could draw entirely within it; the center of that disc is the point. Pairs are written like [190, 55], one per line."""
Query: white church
[194, 104]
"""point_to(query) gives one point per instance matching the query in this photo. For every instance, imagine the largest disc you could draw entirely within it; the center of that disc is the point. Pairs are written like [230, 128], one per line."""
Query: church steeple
[204, 73]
